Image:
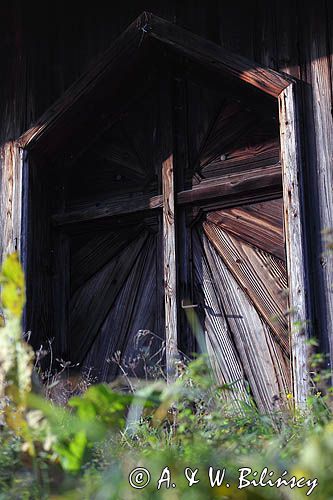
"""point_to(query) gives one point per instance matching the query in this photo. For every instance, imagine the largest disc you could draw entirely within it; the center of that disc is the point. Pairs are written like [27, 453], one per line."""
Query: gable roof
[88, 102]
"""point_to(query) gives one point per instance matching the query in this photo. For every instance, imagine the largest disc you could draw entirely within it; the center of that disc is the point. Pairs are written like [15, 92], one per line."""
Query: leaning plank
[97, 251]
[55, 119]
[117, 205]
[295, 240]
[107, 349]
[228, 190]
[90, 304]
[260, 224]
[11, 166]
[214, 57]
[170, 276]
[217, 339]
[265, 367]
[233, 122]
[142, 347]
[263, 279]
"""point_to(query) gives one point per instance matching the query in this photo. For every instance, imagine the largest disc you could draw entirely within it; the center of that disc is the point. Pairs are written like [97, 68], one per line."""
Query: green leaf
[72, 456]
[13, 287]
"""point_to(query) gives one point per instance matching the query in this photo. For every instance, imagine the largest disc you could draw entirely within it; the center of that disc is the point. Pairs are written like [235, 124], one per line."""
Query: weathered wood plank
[131, 46]
[170, 267]
[237, 186]
[52, 121]
[117, 205]
[260, 224]
[267, 373]
[262, 278]
[11, 168]
[91, 303]
[40, 314]
[132, 308]
[142, 341]
[242, 159]
[230, 190]
[211, 55]
[96, 252]
[215, 330]
[203, 108]
[61, 284]
[236, 27]
[182, 167]
[228, 128]
[295, 240]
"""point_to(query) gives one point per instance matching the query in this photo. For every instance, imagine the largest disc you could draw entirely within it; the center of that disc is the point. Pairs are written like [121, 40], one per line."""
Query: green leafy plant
[88, 448]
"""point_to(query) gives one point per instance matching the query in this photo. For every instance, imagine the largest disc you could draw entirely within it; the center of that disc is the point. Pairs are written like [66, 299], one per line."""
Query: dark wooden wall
[45, 46]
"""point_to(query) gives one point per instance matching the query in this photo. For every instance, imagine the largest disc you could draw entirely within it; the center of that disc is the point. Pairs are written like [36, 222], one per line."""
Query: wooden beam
[82, 106]
[53, 121]
[170, 273]
[11, 168]
[229, 190]
[186, 340]
[295, 241]
[117, 205]
[206, 53]
[232, 188]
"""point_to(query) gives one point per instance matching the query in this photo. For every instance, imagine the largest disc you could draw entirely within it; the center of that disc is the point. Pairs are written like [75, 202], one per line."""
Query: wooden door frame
[147, 33]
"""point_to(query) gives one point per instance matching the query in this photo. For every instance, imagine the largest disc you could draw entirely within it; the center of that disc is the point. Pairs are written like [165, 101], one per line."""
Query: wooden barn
[166, 177]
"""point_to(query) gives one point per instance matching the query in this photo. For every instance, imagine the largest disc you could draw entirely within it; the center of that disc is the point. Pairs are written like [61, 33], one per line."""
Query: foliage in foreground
[90, 448]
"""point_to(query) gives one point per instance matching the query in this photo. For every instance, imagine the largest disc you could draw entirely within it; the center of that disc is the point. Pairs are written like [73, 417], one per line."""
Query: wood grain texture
[265, 152]
[216, 334]
[210, 55]
[96, 252]
[231, 123]
[133, 309]
[235, 188]
[146, 27]
[11, 167]
[170, 267]
[203, 107]
[41, 268]
[260, 224]
[144, 342]
[262, 277]
[182, 167]
[91, 303]
[229, 189]
[61, 293]
[265, 365]
[295, 240]
[53, 120]
[127, 203]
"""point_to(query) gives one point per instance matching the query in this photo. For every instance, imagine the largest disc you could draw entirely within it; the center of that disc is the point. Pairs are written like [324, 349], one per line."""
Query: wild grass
[87, 446]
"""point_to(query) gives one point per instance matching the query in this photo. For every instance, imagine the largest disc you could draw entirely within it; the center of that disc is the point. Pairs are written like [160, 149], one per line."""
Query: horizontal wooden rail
[227, 190]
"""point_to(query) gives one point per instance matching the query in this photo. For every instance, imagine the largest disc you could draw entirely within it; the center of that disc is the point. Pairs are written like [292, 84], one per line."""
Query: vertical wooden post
[295, 241]
[186, 341]
[11, 161]
[170, 274]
